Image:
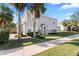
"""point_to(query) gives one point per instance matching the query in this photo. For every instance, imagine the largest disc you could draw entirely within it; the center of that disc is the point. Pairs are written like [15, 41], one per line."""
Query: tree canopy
[6, 15]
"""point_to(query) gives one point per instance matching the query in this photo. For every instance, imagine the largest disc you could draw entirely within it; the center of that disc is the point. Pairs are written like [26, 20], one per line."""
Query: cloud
[55, 3]
[71, 5]
[69, 14]
[14, 15]
[67, 17]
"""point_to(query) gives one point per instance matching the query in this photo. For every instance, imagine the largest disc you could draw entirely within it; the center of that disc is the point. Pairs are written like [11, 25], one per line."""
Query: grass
[66, 49]
[59, 35]
[26, 42]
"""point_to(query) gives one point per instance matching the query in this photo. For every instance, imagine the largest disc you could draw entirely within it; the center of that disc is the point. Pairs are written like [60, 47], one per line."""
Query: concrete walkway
[36, 48]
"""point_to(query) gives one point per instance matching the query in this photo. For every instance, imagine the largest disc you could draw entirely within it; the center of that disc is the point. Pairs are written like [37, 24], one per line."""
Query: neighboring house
[62, 28]
[44, 25]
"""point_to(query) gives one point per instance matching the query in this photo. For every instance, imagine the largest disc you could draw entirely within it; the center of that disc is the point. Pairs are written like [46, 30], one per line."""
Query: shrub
[30, 34]
[40, 37]
[4, 36]
[23, 35]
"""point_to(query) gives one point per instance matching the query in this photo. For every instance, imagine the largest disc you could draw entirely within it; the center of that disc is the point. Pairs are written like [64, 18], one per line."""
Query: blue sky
[59, 11]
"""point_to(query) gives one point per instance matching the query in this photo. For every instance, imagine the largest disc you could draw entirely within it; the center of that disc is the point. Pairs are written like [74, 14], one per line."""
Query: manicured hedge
[40, 37]
[31, 34]
[37, 36]
[23, 35]
[4, 36]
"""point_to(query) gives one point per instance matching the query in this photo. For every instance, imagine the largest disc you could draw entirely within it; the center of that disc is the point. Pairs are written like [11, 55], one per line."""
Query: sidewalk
[36, 48]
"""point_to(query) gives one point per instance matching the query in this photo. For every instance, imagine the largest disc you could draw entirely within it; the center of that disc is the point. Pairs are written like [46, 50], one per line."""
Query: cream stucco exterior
[44, 25]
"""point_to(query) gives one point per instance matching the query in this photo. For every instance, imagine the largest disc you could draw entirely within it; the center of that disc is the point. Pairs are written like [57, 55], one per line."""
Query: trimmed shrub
[30, 34]
[4, 36]
[23, 35]
[40, 37]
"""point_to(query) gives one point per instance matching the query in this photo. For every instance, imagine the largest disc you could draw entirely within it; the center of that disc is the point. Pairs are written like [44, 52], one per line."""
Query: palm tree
[19, 7]
[6, 16]
[2, 21]
[36, 9]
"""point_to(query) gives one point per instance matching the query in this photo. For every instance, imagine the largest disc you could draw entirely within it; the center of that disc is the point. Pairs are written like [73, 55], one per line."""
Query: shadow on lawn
[74, 42]
[12, 45]
[20, 43]
[78, 54]
[62, 34]
[6, 48]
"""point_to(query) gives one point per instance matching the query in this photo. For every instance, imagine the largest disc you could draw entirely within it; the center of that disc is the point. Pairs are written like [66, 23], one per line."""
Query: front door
[43, 29]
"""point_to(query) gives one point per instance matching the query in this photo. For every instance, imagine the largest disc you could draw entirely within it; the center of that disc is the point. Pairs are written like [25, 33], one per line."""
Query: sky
[59, 11]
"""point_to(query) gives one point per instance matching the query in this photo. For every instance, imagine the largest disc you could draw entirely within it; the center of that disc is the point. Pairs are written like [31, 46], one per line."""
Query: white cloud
[55, 3]
[14, 15]
[69, 14]
[67, 17]
[72, 5]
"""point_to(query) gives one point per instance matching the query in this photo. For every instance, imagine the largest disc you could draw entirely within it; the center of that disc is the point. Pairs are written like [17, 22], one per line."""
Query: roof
[49, 17]
[40, 16]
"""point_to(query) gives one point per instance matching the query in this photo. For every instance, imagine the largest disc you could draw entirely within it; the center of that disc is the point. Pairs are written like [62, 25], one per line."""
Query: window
[54, 31]
[53, 22]
[29, 30]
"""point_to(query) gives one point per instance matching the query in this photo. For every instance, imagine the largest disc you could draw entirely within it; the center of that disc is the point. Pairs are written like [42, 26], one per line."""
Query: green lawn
[66, 49]
[25, 42]
[60, 35]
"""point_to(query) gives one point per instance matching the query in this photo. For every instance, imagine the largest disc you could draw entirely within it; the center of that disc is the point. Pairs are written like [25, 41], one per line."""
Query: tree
[65, 22]
[72, 25]
[6, 16]
[75, 16]
[19, 7]
[12, 27]
[36, 9]
[75, 19]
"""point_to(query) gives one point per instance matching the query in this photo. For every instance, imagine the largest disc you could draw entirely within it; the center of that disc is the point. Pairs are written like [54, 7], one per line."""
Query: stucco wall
[27, 23]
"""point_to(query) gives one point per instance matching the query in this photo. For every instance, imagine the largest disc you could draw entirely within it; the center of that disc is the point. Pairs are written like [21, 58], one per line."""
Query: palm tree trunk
[19, 26]
[34, 26]
[3, 24]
